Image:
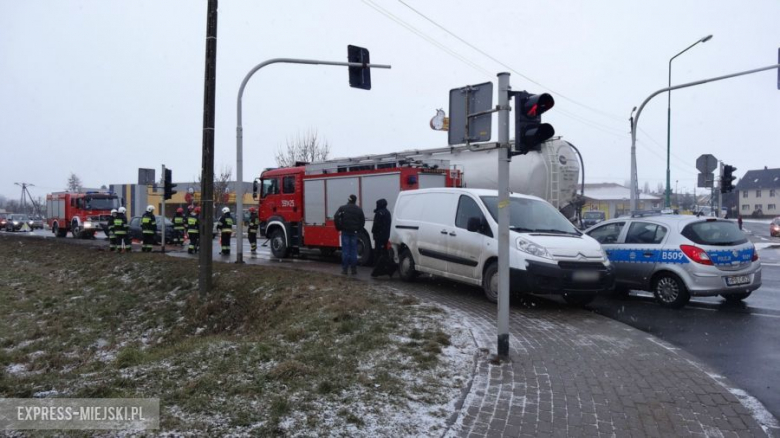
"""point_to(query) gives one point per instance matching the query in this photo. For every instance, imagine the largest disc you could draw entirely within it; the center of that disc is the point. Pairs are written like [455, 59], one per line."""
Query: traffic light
[359, 77]
[530, 132]
[727, 180]
[168, 187]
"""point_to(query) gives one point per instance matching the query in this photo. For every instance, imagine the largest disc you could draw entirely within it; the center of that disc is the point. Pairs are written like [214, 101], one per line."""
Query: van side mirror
[474, 224]
[254, 190]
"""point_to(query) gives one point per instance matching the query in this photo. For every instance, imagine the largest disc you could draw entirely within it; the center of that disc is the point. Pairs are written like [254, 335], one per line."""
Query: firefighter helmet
[179, 210]
[225, 210]
[196, 210]
[252, 210]
[150, 208]
[113, 211]
[122, 210]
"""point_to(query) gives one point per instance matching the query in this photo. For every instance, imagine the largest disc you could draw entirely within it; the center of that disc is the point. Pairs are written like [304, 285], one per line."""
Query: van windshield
[100, 203]
[532, 215]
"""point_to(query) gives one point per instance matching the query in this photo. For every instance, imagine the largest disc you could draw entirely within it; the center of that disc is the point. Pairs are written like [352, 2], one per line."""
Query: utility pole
[720, 186]
[207, 167]
[26, 194]
[502, 326]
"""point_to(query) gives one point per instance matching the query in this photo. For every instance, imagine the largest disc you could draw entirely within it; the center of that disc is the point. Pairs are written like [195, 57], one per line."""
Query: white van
[452, 233]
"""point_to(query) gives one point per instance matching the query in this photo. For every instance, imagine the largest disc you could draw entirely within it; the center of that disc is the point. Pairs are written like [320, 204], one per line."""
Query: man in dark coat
[350, 220]
[381, 232]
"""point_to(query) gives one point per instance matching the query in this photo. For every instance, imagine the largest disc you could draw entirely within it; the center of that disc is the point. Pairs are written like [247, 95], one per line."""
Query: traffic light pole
[503, 214]
[635, 120]
[720, 189]
[162, 247]
[239, 189]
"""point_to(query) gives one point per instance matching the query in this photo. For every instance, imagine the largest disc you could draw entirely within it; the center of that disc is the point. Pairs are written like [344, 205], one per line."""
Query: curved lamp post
[667, 202]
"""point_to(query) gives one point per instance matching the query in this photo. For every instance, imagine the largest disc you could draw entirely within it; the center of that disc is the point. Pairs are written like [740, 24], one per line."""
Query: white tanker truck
[552, 173]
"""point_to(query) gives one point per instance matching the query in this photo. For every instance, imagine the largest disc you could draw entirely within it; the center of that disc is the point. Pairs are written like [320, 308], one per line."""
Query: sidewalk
[574, 373]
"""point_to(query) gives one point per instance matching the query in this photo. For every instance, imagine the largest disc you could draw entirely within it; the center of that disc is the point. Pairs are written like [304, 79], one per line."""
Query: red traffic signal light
[530, 132]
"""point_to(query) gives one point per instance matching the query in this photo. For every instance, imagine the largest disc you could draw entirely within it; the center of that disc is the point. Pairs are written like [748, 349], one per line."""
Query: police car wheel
[406, 266]
[490, 282]
[735, 298]
[670, 291]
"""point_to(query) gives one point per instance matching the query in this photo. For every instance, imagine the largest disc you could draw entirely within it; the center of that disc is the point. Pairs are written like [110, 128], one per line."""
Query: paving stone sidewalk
[573, 373]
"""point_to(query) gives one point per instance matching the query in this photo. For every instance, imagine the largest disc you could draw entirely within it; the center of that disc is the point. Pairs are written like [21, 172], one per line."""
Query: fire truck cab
[81, 213]
[297, 204]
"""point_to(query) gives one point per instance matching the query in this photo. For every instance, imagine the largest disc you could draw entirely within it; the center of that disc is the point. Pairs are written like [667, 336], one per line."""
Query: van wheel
[406, 266]
[490, 282]
[735, 298]
[670, 291]
[578, 300]
[278, 245]
[364, 250]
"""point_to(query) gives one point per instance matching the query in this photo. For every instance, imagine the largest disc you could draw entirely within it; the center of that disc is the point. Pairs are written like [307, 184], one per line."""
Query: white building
[759, 193]
[615, 199]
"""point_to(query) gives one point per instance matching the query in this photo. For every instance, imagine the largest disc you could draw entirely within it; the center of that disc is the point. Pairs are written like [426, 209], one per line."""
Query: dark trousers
[123, 239]
[253, 240]
[178, 236]
[383, 264]
[112, 240]
[148, 242]
[194, 242]
[225, 241]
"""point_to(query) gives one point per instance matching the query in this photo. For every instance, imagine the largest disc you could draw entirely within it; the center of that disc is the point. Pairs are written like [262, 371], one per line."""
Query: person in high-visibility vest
[179, 221]
[193, 231]
[148, 228]
[120, 231]
[225, 227]
[254, 224]
[111, 235]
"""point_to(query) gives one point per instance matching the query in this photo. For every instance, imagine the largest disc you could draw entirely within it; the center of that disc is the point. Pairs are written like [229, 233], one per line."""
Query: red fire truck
[81, 213]
[297, 204]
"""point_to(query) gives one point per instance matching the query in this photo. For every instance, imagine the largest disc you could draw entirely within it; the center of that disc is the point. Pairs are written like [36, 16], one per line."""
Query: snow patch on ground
[16, 369]
[756, 408]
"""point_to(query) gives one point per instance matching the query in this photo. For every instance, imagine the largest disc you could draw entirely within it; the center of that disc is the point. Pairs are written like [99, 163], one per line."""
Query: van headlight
[532, 248]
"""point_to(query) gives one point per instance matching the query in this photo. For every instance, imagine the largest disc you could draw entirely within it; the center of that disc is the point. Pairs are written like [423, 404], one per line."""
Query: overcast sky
[103, 87]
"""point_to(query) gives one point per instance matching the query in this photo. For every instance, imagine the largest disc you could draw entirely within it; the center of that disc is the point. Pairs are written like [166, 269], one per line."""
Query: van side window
[467, 208]
[607, 233]
[288, 184]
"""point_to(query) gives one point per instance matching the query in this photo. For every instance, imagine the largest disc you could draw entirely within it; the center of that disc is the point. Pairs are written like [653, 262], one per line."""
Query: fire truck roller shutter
[432, 181]
[376, 187]
[314, 202]
[338, 190]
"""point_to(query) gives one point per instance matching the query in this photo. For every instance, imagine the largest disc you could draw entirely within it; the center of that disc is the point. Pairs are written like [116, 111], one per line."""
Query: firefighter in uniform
[254, 224]
[148, 228]
[111, 235]
[225, 227]
[120, 231]
[179, 221]
[193, 231]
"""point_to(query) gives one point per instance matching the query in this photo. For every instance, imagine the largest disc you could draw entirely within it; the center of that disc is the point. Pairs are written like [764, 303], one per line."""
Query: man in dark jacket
[148, 228]
[254, 224]
[350, 221]
[225, 227]
[381, 232]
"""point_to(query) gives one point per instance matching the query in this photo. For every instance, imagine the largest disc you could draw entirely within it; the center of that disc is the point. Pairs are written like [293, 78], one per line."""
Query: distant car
[3, 220]
[16, 222]
[136, 232]
[37, 222]
[677, 256]
[591, 218]
[774, 227]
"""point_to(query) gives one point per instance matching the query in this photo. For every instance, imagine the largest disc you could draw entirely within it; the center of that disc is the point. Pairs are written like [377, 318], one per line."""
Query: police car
[677, 257]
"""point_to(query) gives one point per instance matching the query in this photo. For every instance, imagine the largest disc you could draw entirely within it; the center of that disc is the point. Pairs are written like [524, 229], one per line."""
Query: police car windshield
[532, 215]
[715, 233]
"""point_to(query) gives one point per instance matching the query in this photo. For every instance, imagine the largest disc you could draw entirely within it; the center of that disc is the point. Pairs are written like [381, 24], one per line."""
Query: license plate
[737, 280]
[585, 276]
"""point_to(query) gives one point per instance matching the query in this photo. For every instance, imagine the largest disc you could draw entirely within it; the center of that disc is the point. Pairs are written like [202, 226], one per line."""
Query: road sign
[706, 163]
[706, 180]
[467, 101]
[146, 176]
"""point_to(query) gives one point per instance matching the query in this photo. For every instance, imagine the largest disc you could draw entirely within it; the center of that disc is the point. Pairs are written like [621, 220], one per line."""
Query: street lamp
[668, 202]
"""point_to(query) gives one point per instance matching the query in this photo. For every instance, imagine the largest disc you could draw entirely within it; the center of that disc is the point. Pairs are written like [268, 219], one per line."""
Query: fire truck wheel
[406, 266]
[278, 244]
[364, 252]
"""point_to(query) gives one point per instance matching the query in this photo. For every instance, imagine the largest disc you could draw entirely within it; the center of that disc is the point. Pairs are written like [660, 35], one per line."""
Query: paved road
[741, 341]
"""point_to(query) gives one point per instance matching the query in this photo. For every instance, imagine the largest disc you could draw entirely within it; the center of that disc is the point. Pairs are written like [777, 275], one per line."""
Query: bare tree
[221, 187]
[306, 147]
[646, 188]
[74, 183]
[660, 188]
